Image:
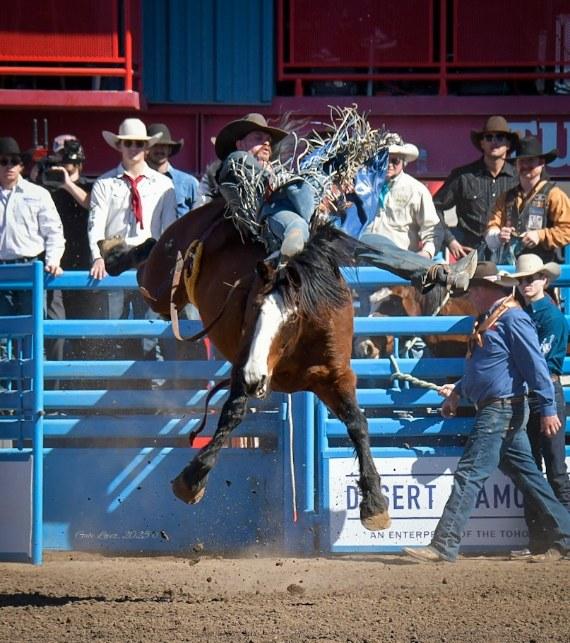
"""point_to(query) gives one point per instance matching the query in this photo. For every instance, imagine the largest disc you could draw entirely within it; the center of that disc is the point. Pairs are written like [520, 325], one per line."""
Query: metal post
[38, 412]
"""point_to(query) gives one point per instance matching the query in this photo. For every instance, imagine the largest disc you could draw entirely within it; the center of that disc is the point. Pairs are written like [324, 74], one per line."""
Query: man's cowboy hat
[530, 264]
[495, 125]
[131, 129]
[9, 146]
[530, 147]
[486, 274]
[236, 130]
[407, 151]
[161, 128]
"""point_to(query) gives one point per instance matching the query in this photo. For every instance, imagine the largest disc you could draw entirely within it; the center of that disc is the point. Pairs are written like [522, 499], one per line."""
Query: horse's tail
[119, 257]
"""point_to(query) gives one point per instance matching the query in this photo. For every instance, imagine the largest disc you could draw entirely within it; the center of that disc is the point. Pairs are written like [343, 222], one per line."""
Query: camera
[53, 177]
[71, 153]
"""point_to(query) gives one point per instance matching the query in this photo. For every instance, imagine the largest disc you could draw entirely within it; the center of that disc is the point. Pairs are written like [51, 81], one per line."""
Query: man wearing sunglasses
[406, 214]
[533, 277]
[130, 204]
[472, 189]
[29, 224]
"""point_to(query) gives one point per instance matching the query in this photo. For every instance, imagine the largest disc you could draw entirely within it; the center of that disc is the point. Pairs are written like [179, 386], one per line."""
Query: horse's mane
[310, 279]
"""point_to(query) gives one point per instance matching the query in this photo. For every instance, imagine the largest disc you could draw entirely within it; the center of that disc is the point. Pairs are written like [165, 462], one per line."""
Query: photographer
[61, 174]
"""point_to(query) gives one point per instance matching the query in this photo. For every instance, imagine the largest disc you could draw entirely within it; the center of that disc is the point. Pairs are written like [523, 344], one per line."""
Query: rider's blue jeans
[405, 264]
[498, 439]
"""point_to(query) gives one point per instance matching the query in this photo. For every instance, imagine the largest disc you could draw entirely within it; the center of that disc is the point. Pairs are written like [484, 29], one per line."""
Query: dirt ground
[86, 597]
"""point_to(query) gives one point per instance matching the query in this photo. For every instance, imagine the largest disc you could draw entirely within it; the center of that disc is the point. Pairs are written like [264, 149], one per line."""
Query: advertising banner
[417, 489]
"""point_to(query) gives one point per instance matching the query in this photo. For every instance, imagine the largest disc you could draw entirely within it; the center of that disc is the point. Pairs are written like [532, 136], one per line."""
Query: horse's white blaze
[272, 316]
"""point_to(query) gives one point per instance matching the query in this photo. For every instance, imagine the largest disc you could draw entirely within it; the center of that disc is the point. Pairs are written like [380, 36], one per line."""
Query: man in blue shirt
[533, 276]
[158, 157]
[503, 355]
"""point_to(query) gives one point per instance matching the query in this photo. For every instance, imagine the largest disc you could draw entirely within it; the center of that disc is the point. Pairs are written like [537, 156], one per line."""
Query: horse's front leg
[374, 505]
[190, 484]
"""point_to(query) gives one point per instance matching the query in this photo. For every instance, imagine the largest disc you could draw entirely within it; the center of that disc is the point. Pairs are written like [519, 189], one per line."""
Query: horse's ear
[265, 271]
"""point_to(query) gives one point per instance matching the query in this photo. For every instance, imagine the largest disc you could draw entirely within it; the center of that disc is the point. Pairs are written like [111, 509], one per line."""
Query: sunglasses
[530, 278]
[134, 143]
[12, 162]
[394, 160]
[500, 138]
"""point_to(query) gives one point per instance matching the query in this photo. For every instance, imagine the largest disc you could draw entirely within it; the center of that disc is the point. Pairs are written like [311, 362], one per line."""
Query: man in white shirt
[406, 214]
[29, 225]
[133, 203]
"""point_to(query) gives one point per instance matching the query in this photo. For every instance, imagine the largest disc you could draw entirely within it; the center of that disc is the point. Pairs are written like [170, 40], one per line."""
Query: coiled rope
[406, 377]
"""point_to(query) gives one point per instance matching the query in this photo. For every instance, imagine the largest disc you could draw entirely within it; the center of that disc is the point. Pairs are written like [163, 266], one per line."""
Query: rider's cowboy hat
[161, 128]
[495, 125]
[530, 147]
[236, 130]
[530, 264]
[407, 151]
[486, 274]
[131, 129]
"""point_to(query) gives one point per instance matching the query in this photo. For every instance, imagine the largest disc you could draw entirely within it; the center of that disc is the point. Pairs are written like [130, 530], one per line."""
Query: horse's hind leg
[190, 484]
[342, 401]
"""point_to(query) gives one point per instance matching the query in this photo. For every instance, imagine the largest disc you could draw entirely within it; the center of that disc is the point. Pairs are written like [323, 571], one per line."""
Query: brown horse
[406, 301]
[286, 330]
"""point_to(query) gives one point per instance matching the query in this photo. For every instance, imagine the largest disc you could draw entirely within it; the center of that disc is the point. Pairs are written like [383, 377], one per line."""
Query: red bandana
[136, 202]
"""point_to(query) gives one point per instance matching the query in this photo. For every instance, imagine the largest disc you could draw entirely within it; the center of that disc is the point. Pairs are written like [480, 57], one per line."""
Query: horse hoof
[377, 522]
[183, 492]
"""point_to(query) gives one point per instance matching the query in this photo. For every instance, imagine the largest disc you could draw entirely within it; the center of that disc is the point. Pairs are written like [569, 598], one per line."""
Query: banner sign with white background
[417, 490]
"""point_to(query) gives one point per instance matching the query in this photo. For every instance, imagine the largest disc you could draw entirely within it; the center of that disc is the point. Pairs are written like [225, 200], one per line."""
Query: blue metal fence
[110, 452]
[21, 394]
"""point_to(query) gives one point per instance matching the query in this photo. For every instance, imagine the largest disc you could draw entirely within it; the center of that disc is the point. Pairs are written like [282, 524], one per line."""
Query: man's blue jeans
[498, 440]
[552, 452]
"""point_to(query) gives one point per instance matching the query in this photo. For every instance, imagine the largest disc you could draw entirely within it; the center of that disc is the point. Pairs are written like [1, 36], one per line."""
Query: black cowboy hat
[236, 130]
[486, 274]
[9, 146]
[157, 128]
[495, 125]
[530, 146]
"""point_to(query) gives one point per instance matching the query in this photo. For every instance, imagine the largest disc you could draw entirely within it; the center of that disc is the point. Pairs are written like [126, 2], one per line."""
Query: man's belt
[19, 260]
[502, 401]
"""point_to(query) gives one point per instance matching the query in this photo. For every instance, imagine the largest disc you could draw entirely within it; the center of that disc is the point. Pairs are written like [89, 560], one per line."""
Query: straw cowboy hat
[131, 129]
[407, 151]
[495, 125]
[529, 264]
[530, 147]
[486, 274]
[235, 130]
[161, 128]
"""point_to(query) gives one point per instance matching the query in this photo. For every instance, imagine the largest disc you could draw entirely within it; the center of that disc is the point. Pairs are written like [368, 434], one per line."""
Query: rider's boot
[455, 277]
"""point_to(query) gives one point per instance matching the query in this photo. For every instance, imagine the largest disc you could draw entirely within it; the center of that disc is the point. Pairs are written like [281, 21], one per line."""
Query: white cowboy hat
[530, 264]
[131, 129]
[407, 151]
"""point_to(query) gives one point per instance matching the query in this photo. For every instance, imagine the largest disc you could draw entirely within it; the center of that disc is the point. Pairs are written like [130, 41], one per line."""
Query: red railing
[437, 41]
[54, 38]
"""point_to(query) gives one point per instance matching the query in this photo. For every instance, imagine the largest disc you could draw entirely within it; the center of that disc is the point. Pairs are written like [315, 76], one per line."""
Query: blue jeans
[498, 439]
[289, 210]
[552, 452]
[404, 263]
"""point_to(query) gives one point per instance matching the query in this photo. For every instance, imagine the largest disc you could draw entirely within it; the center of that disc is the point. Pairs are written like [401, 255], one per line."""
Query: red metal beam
[77, 100]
